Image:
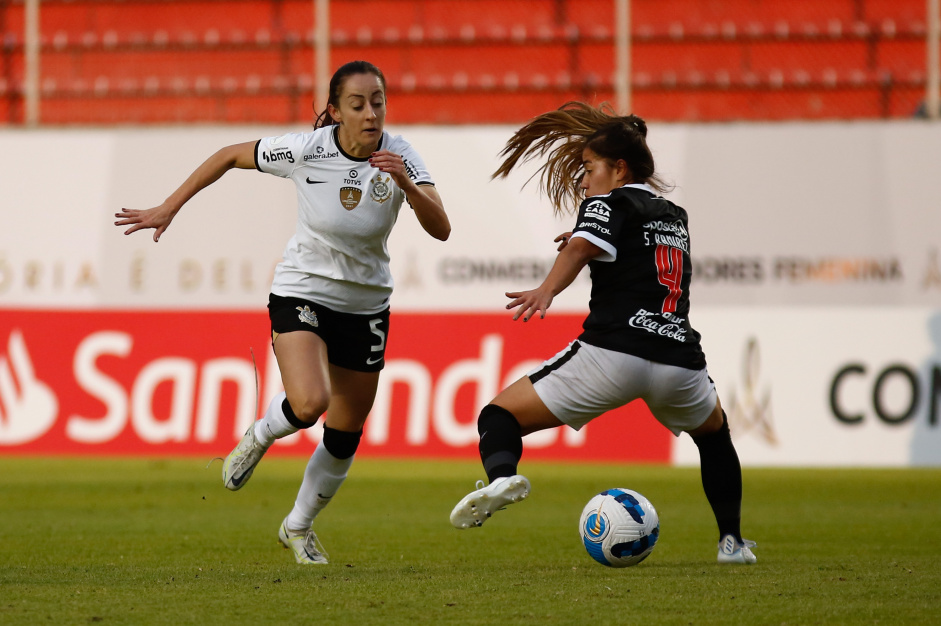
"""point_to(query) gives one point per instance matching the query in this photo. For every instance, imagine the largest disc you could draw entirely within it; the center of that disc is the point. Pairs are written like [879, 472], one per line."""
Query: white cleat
[241, 462]
[731, 551]
[304, 544]
[478, 505]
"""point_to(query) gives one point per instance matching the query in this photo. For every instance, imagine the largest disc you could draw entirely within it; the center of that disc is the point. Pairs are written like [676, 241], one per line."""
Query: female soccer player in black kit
[637, 340]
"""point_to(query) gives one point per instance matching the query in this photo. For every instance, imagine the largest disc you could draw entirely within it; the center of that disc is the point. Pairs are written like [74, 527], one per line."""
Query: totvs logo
[185, 382]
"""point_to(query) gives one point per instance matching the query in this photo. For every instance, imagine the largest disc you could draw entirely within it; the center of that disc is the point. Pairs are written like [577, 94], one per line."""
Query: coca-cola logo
[671, 328]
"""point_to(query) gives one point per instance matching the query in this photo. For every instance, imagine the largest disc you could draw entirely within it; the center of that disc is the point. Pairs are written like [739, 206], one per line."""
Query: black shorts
[356, 342]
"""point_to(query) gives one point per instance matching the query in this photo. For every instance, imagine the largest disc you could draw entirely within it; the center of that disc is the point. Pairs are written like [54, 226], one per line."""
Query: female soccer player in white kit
[329, 302]
[637, 340]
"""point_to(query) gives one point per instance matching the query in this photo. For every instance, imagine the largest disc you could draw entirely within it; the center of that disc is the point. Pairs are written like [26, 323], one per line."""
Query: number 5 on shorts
[374, 327]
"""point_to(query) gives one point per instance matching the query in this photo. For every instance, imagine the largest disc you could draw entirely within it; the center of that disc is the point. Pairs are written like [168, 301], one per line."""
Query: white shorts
[584, 381]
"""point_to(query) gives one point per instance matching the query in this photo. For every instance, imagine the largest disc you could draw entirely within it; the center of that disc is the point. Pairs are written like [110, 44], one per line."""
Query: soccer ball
[619, 527]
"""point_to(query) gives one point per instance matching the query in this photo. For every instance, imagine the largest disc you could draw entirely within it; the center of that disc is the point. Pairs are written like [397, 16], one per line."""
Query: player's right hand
[529, 303]
[158, 218]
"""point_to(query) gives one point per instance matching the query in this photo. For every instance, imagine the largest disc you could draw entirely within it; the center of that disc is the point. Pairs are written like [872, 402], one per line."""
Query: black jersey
[640, 285]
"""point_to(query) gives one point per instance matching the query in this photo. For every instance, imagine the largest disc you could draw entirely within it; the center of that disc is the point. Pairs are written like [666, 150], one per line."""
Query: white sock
[322, 479]
[274, 424]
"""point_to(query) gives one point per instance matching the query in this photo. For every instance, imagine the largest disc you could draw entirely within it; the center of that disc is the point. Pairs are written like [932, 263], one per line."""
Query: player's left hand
[564, 238]
[390, 163]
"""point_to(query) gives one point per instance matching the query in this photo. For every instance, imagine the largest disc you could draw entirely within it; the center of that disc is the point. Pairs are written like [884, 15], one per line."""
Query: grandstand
[480, 61]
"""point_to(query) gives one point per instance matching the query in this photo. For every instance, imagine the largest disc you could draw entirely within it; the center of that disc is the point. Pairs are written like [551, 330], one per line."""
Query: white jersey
[345, 211]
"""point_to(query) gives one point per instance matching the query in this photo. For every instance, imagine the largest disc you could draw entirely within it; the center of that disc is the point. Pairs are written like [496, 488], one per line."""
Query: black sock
[722, 478]
[340, 443]
[501, 443]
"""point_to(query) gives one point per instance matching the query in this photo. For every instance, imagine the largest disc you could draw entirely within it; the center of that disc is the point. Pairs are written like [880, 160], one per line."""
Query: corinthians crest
[381, 188]
[307, 316]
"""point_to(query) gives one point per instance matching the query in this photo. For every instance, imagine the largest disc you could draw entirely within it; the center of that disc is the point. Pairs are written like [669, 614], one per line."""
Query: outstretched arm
[575, 254]
[240, 156]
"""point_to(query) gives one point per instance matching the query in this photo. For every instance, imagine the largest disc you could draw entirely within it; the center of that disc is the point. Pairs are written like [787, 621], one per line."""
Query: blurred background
[464, 61]
[798, 134]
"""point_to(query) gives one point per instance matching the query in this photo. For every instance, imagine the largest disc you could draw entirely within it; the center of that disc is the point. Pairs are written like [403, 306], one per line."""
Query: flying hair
[561, 135]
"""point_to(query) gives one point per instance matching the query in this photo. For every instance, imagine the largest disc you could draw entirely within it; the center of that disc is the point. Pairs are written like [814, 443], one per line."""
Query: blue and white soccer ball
[619, 527]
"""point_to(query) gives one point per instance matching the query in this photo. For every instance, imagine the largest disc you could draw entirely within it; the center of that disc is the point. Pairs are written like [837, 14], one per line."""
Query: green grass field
[161, 541]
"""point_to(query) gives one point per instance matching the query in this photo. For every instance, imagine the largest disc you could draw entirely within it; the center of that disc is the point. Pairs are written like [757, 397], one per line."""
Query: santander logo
[185, 382]
[28, 406]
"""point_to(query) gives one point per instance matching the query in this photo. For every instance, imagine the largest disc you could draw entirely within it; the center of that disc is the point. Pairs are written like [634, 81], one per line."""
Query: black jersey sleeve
[601, 224]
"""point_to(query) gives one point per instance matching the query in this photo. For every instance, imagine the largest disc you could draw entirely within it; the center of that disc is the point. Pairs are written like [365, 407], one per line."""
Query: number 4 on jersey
[670, 274]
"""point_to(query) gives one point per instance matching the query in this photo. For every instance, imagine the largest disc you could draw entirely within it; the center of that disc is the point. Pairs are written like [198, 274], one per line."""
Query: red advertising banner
[184, 383]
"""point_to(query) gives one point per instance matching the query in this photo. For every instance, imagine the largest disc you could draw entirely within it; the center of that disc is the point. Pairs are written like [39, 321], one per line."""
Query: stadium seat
[392, 60]
[759, 104]
[529, 14]
[899, 56]
[445, 58]
[401, 14]
[692, 12]
[876, 11]
[472, 107]
[810, 55]
[905, 100]
[586, 14]
[703, 56]
[500, 60]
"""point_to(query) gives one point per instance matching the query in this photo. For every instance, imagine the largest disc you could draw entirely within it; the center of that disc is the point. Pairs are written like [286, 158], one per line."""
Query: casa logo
[598, 210]
[350, 197]
[381, 188]
[307, 316]
[320, 154]
[281, 154]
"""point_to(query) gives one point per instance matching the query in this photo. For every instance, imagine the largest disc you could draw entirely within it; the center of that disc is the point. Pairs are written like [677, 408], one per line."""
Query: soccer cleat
[304, 544]
[241, 462]
[477, 506]
[731, 551]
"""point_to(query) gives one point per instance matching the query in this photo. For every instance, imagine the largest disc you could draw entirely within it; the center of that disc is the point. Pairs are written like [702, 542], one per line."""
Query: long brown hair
[336, 84]
[564, 133]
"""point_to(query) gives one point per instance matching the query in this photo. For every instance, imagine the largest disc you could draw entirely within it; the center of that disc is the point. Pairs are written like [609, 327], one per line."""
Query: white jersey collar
[643, 186]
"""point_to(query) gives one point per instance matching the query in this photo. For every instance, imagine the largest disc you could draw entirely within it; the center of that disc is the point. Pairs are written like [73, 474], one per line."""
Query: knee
[717, 425]
[310, 406]
[492, 416]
